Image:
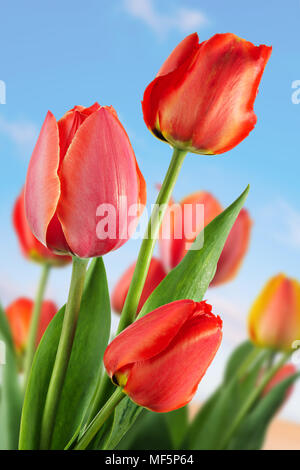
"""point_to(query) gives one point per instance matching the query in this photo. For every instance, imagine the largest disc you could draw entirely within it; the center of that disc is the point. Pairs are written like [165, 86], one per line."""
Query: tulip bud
[30, 246]
[83, 177]
[203, 96]
[160, 359]
[19, 315]
[156, 274]
[180, 228]
[274, 319]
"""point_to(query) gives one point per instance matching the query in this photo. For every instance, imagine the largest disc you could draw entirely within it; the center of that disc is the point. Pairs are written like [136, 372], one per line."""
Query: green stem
[142, 266]
[63, 351]
[31, 346]
[252, 399]
[147, 247]
[100, 419]
[255, 354]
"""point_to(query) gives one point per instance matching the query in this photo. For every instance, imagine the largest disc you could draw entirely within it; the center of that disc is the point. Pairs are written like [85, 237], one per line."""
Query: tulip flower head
[31, 248]
[82, 176]
[180, 228]
[19, 315]
[274, 319]
[203, 96]
[160, 359]
[156, 274]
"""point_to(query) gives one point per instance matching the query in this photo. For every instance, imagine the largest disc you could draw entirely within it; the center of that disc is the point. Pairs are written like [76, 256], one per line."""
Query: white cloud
[182, 19]
[23, 133]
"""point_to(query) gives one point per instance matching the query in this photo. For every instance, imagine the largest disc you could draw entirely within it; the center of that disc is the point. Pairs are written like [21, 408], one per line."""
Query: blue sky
[57, 54]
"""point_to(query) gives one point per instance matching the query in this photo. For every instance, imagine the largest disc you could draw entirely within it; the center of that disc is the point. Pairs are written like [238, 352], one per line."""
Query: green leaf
[189, 280]
[216, 415]
[150, 432]
[251, 434]
[10, 397]
[177, 423]
[200, 422]
[237, 358]
[91, 338]
[5, 329]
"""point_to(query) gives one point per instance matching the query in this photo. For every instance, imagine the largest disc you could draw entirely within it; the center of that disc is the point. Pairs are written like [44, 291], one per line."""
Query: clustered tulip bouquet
[68, 384]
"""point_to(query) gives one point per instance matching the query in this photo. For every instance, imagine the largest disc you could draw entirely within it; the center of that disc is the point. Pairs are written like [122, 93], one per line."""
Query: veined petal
[170, 379]
[163, 85]
[42, 189]
[70, 123]
[180, 54]
[147, 336]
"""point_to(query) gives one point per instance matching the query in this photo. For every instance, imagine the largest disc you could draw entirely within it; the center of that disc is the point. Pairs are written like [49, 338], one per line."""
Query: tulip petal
[48, 311]
[19, 315]
[180, 54]
[170, 379]
[163, 85]
[235, 249]
[21, 226]
[156, 274]
[30, 246]
[148, 336]
[69, 124]
[182, 223]
[99, 168]
[42, 189]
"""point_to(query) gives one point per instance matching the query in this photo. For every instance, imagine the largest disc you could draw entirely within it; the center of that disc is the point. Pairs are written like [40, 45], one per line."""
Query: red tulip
[274, 319]
[155, 275]
[82, 168]
[234, 250]
[19, 315]
[30, 246]
[286, 371]
[160, 359]
[180, 228]
[203, 96]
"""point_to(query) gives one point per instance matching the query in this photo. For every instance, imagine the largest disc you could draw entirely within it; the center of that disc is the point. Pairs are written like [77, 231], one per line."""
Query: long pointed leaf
[90, 341]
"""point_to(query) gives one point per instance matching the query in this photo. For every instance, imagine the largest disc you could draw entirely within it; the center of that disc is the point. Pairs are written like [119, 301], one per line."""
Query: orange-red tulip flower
[203, 96]
[274, 319]
[30, 246]
[180, 228]
[155, 275]
[19, 315]
[286, 371]
[83, 176]
[160, 359]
